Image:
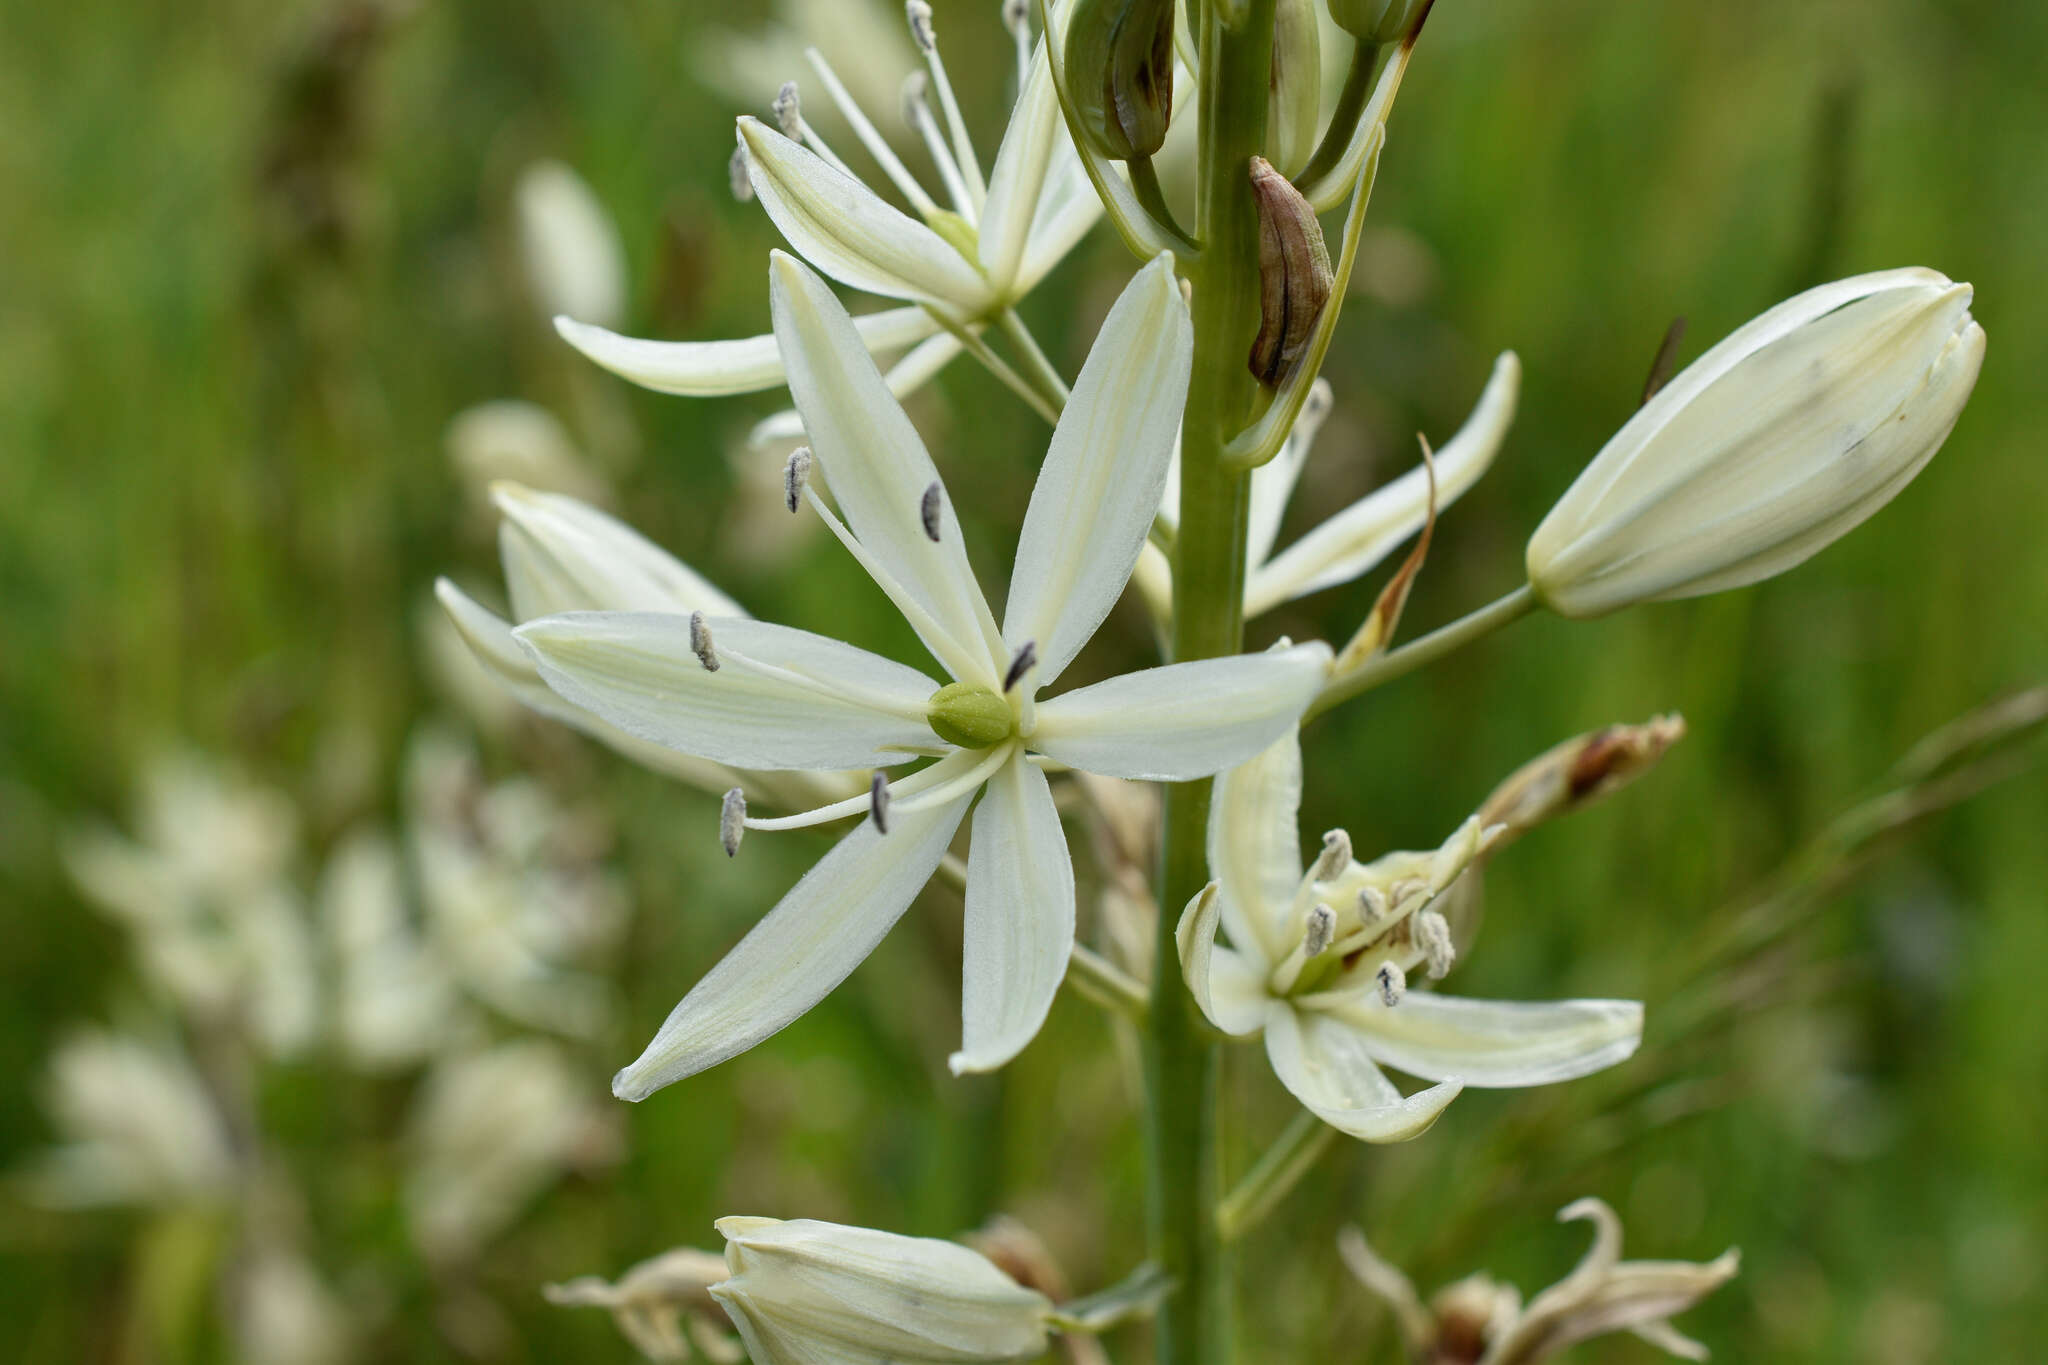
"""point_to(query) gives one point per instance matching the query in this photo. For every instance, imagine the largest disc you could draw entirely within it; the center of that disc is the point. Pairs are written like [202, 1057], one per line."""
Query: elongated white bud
[1770, 446]
[809, 1291]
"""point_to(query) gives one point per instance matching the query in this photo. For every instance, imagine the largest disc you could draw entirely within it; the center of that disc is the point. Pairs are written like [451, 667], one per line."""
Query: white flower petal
[575, 262]
[703, 369]
[564, 555]
[1019, 173]
[1228, 987]
[1494, 1043]
[780, 698]
[1067, 207]
[1359, 537]
[1020, 917]
[903, 378]
[843, 228]
[1103, 474]
[1182, 721]
[875, 464]
[1326, 1066]
[805, 946]
[1255, 848]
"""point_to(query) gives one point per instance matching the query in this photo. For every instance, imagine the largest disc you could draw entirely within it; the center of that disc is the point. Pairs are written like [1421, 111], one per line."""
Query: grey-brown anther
[736, 176]
[1025, 659]
[1318, 927]
[1433, 936]
[732, 821]
[795, 475]
[928, 513]
[878, 801]
[1372, 905]
[788, 109]
[919, 13]
[1295, 278]
[1335, 857]
[700, 642]
[1393, 983]
[1016, 15]
[914, 86]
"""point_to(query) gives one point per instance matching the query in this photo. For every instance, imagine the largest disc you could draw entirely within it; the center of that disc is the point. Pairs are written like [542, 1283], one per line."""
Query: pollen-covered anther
[736, 175]
[1335, 857]
[1016, 14]
[1372, 905]
[1433, 936]
[914, 87]
[878, 801]
[732, 821]
[928, 513]
[1318, 927]
[788, 109]
[919, 13]
[700, 642]
[795, 475]
[1393, 983]
[1022, 662]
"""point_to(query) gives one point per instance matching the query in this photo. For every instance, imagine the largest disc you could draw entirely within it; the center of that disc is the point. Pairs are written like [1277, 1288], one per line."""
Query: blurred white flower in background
[512, 439]
[575, 263]
[136, 1126]
[286, 1315]
[396, 1002]
[489, 1132]
[206, 890]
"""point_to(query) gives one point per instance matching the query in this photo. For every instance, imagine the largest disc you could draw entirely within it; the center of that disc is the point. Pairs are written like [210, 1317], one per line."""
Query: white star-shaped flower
[959, 266]
[1320, 961]
[755, 695]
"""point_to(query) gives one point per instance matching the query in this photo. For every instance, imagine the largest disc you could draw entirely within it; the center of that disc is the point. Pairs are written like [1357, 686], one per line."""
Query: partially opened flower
[959, 266]
[1352, 542]
[662, 1305]
[1768, 448]
[1479, 1321]
[805, 1292]
[756, 695]
[563, 555]
[1322, 963]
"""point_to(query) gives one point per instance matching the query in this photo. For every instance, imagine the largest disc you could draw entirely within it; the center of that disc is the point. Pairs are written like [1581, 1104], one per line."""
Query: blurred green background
[259, 255]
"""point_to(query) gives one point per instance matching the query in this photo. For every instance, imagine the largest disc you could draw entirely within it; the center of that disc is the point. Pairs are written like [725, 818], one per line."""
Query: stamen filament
[981, 772]
[970, 169]
[878, 146]
[863, 804]
[919, 116]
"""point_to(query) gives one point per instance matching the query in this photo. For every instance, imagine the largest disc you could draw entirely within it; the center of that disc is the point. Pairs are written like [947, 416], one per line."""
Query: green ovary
[970, 716]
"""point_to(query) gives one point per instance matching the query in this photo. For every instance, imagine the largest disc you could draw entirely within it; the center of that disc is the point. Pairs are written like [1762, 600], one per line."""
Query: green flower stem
[1297, 1149]
[1107, 984]
[1181, 1057]
[1427, 650]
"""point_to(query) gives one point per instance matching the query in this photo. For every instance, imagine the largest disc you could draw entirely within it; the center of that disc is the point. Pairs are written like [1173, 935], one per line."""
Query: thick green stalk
[1185, 1170]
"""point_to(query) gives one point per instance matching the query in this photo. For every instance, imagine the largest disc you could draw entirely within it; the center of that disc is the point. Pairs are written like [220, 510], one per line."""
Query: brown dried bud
[1577, 773]
[1294, 273]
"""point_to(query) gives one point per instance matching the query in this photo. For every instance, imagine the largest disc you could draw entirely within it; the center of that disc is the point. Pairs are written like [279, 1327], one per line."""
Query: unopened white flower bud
[1769, 447]
[804, 1291]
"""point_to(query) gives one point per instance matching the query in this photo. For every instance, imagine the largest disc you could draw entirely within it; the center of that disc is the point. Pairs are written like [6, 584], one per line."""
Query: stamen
[920, 15]
[878, 801]
[788, 108]
[732, 820]
[1372, 905]
[795, 475]
[1017, 19]
[956, 658]
[878, 146]
[943, 792]
[928, 511]
[918, 115]
[736, 173]
[700, 642]
[1318, 928]
[1335, 857]
[1025, 659]
[1432, 934]
[1393, 983]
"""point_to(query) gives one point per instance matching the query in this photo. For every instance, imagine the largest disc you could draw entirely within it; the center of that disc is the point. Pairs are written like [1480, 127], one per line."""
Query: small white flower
[488, 1133]
[965, 262]
[139, 1127]
[654, 1301]
[1769, 447]
[803, 1292]
[1354, 541]
[563, 555]
[511, 439]
[783, 698]
[1332, 1017]
[575, 263]
[286, 1315]
[395, 1000]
